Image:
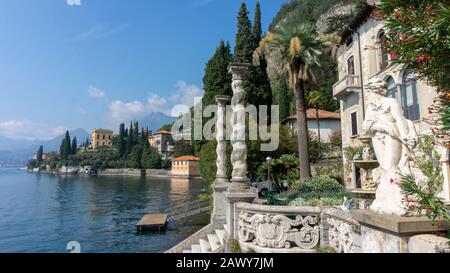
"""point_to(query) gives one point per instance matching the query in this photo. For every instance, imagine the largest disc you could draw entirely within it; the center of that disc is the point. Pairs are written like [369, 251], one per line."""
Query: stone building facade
[186, 166]
[162, 141]
[361, 57]
[102, 138]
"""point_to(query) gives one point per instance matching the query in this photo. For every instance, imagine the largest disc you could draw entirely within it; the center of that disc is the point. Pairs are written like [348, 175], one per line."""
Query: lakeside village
[365, 169]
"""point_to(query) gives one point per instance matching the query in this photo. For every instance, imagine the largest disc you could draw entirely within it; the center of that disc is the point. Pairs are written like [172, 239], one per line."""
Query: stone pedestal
[231, 215]
[391, 233]
[218, 217]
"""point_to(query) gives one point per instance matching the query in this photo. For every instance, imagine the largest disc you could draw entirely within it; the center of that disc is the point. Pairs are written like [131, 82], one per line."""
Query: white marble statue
[393, 138]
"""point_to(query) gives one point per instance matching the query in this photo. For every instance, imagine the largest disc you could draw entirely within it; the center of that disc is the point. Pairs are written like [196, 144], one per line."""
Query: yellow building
[186, 166]
[102, 138]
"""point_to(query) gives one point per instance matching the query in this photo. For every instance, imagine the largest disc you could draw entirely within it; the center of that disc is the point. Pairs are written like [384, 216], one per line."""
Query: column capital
[222, 100]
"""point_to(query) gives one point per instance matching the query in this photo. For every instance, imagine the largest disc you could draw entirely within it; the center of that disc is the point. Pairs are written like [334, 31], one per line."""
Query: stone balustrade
[278, 228]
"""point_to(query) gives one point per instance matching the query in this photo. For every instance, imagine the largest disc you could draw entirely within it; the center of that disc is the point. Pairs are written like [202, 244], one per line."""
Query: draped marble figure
[393, 138]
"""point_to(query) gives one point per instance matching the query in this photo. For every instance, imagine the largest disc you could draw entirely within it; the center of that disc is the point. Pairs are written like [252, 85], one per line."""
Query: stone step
[221, 235]
[196, 249]
[187, 251]
[214, 242]
[204, 245]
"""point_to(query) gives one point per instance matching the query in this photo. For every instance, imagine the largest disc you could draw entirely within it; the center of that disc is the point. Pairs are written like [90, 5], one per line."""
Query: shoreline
[116, 173]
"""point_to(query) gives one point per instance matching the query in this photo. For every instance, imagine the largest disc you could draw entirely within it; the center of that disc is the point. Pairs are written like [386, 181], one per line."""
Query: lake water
[42, 213]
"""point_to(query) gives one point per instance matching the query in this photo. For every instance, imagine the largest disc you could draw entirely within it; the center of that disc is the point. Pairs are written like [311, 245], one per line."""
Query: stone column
[221, 183]
[239, 189]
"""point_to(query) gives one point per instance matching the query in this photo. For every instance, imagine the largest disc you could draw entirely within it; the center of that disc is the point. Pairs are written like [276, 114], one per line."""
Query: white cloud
[26, 129]
[180, 99]
[73, 2]
[95, 92]
[185, 94]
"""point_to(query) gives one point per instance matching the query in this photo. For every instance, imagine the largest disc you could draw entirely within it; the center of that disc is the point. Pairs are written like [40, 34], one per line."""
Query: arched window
[391, 87]
[383, 50]
[351, 66]
[409, 96]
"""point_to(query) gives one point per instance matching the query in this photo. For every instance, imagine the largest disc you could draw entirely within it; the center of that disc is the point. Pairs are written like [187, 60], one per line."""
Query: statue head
[378, 86]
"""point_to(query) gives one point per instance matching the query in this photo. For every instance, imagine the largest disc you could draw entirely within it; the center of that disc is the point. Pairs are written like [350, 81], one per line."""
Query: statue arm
[406, 131]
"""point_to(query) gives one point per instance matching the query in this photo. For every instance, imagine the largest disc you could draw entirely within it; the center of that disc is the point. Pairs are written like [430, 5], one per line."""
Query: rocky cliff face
[339, 9]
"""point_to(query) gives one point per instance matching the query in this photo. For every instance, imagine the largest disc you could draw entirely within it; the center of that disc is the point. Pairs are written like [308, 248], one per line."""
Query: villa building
[186, 166]
[102, 138]
[329, 123]
[162, 141]
[361, 57]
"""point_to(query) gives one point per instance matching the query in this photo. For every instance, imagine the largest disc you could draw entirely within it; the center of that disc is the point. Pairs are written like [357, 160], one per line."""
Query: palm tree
[300, 48]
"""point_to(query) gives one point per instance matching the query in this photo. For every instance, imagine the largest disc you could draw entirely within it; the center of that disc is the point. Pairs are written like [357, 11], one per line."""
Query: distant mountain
[154, 121]
[17, 152]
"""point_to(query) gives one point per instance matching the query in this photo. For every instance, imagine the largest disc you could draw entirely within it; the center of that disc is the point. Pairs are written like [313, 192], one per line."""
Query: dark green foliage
[336, 24]
[217, 80]
[65, 149]
[208, 167]
[39, 154]
[121, 142]
[74, 145]
[257, 27]
[284, 97]
[150, 159]
[182, 148]
[245, 43]
[134, 158]
[257, 86]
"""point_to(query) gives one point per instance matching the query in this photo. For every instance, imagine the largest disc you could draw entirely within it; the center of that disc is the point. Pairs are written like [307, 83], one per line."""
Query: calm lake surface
[42, 213]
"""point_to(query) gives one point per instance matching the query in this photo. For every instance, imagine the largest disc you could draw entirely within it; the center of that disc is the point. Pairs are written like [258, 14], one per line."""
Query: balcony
[350, 83]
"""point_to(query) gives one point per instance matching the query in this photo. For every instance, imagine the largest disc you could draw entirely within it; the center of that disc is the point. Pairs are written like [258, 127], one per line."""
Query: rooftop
[186, 158]
[102, 131]
[311, 114]
[163, 133]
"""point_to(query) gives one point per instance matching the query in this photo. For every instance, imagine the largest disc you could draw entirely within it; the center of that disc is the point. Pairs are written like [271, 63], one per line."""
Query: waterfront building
[162, 141]
[363, 56]
[329, 123]
[186, 166]
[102, 138]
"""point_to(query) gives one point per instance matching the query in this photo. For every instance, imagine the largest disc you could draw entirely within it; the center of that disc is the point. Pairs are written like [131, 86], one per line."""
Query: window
[409, 95]
[103, 136]
[349, 41]
[391, 87]
[354, 121]
[98, 136]
[383, 50]
[351, 66]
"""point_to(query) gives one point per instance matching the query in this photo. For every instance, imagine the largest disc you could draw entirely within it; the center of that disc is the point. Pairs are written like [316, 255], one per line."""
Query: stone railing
[340, 231]
[278, 228]
[350, 83]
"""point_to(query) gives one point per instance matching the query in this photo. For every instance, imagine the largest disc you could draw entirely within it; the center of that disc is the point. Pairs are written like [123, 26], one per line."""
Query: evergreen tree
[86, 143]
[150, 159]
[257, 27]
[182, 148]
[122, 143]
[74, 148]
[245, 43]
[257, 85]
[39, 154]
[136, 133]
[65, 149]
[134, 158]
[284, 100]
[217, 80]
[130, 142]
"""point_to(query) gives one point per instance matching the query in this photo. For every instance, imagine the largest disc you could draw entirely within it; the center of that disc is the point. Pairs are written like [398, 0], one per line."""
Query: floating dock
[152, 222]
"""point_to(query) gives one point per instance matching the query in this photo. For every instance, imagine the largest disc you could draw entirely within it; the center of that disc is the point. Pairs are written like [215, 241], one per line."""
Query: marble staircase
[211, 243]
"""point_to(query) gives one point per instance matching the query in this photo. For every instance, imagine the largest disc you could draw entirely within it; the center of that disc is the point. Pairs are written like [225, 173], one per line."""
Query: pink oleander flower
[392, 54]
[420, 59]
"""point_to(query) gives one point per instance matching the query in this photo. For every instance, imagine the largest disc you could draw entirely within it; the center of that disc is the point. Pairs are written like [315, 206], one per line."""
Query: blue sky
[91, 65]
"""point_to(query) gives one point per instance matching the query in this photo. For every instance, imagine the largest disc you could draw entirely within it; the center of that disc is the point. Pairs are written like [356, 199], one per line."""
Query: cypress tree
[217, 80]
[122, 143]
[245, 44]
[284, 101]
[39, 154]
[257, 27]
[74, 146]
[65, 149]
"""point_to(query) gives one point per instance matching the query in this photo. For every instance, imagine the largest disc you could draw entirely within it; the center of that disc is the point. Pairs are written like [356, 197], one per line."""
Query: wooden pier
[152, 222]
[158, 222]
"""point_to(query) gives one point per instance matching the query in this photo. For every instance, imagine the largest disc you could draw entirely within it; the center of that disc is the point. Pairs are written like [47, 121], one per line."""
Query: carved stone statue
[393, 138]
